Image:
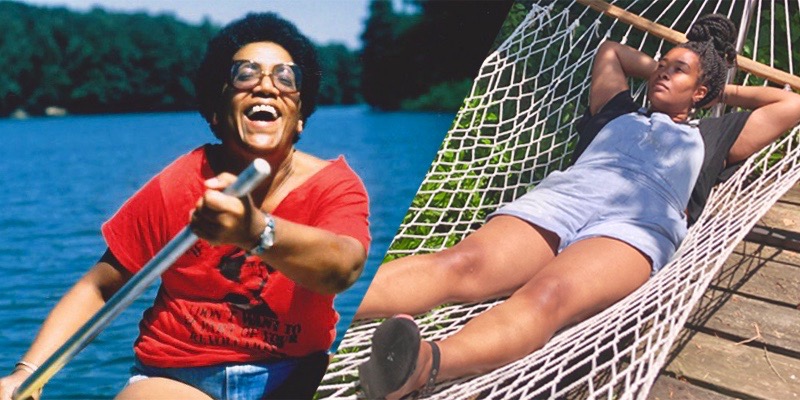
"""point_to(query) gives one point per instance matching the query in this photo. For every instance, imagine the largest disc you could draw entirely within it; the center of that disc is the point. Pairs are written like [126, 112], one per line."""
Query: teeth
[263, 108]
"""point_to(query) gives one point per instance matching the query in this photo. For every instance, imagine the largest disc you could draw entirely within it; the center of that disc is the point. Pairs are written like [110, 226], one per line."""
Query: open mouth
[262, 112]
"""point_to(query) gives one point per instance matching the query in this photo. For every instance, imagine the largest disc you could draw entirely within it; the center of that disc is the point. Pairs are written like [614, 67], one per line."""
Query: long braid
[713, 39]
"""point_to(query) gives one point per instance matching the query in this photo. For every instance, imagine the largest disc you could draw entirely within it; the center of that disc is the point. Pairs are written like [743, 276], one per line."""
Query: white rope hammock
[516, 127]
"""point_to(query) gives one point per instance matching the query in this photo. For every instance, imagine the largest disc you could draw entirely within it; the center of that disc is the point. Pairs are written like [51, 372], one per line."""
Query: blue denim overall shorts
[632, 184]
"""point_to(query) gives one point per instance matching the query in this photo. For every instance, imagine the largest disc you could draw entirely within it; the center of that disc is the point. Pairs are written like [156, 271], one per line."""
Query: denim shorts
[632, 183]
[577, 205]
[231, 381]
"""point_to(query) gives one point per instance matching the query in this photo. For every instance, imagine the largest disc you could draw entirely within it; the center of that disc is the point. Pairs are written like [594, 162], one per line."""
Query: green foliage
[777, 56]
[100, 62]
[384, 74]
[518, 11]
[480, 168]
[341, 75]
[444, 96]
[96, 61]
[405, 54]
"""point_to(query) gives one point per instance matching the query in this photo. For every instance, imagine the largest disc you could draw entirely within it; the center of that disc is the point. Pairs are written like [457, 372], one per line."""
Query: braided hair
[712, 38]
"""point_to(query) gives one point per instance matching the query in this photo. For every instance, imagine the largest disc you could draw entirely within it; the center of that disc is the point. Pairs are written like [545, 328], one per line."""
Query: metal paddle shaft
[182, 242]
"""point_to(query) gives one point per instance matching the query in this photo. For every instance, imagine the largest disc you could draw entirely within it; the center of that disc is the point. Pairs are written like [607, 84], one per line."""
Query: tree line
[96, 62]
[420, 57]
[425, 56]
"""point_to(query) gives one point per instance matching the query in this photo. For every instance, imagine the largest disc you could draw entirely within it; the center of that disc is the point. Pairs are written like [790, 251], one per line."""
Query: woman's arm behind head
[614, 63]
[775, 111]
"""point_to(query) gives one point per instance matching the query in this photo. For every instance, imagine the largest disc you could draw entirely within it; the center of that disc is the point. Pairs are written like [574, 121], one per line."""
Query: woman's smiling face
[261, 120]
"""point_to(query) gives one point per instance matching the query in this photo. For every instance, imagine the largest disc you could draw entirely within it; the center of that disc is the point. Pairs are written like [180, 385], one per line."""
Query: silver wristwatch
[267, 237]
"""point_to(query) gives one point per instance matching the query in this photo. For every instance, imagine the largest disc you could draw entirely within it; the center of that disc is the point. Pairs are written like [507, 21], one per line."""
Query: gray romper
[632, 184]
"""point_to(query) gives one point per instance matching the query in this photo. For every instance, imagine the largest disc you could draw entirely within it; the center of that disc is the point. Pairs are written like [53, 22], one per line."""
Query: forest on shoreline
[54, 60]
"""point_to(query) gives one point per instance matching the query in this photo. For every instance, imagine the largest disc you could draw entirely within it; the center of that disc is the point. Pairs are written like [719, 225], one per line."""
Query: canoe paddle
[182, 242]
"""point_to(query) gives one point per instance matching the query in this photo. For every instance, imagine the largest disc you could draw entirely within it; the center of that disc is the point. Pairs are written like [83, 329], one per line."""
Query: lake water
[65, 176]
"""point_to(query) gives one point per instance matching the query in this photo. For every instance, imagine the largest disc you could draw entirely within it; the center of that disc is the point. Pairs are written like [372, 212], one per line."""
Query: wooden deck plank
[777, 237]
[768, 253]
[780, 226]
[792, 196]
[668, 388]
[741, 318]
[737, 370]
[761, 277]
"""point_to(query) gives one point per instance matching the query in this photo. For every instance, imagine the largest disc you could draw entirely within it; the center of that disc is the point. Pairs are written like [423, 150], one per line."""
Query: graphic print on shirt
[244, 317]
[251, 273]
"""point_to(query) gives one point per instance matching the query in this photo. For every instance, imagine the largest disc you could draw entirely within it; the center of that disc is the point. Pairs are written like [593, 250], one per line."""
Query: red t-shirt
[215, 304]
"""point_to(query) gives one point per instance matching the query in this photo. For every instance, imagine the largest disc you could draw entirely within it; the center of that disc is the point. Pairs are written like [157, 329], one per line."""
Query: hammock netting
[515, 127]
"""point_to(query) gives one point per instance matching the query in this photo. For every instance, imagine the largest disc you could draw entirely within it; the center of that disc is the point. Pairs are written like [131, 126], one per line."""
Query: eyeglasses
[246, 74]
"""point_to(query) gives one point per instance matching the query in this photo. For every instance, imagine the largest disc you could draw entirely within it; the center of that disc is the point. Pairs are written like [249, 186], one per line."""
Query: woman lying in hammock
[583, 238]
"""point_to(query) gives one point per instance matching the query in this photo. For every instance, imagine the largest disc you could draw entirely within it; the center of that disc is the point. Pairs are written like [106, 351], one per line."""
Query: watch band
[267, 237]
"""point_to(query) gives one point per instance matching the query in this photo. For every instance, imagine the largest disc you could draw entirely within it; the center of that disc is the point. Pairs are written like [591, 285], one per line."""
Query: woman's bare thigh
[499, 258]
[493, 261]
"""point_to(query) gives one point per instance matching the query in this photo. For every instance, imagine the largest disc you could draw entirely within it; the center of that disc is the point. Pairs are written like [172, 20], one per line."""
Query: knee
[546, 295]
[459, 261]
[462, 270]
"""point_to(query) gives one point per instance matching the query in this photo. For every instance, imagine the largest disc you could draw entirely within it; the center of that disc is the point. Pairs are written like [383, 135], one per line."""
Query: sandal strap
[430, 384]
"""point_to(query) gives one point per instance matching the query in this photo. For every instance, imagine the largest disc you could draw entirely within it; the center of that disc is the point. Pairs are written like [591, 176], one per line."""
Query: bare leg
[583, 280]
[151, 388]
[493, 261]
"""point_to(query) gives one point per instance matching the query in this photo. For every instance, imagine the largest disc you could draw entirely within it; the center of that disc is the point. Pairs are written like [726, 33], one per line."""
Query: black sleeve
[718, 134]
[590, 125]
